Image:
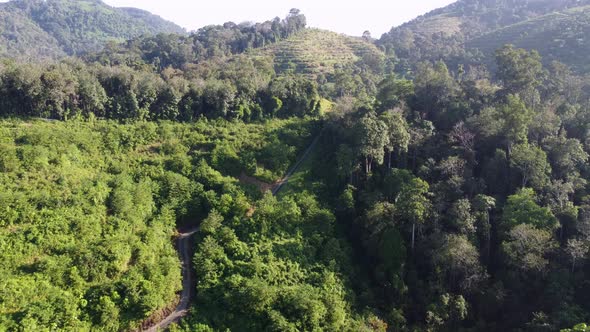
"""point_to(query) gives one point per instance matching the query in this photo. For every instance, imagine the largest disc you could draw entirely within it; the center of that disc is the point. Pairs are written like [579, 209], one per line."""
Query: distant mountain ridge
[54, 28]
[473, 29]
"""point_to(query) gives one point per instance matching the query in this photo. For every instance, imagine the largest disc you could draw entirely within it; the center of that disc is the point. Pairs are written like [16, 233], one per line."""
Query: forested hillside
[469, 31]
[561, 36]
[216, 72]
[55, 28]
[457, 203]
[421, 195]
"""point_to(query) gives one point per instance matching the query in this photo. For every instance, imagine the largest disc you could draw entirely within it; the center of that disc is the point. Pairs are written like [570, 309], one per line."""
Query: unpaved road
[185, 251]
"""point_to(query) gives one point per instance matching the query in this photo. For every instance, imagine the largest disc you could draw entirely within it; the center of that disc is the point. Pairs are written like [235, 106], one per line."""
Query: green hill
[468, 30]
[559, 36]
[18, 34]
[53, 28]
[314, 52]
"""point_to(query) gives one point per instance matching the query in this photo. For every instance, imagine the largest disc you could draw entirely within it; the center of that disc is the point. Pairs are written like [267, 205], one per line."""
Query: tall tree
[393, 92]
[521, 208]
[531, 162]
[398, 132]
[459, 259]
[577, 249]
[373, 137]
[483, 204]
[413, 204]
[526, 248]
[521, 72]
[462, 219]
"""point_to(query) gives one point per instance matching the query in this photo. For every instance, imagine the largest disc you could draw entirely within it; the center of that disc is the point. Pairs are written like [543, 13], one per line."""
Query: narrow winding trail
[185, 251]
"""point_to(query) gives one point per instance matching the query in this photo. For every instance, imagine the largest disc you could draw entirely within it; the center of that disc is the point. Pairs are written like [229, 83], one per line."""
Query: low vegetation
[88, 211]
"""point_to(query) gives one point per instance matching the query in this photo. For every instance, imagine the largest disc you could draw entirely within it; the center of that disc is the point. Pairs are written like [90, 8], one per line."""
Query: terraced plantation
[314, 52]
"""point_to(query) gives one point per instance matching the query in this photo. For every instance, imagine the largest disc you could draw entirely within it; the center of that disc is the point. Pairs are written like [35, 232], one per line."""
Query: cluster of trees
[466, 198]
[452, 201]
[277, 270]
[183, 78]
[277, 264]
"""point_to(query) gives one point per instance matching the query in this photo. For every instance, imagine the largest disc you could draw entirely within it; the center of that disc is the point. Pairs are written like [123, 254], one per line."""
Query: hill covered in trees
[469, 31]
[559, 36]
[54, 28]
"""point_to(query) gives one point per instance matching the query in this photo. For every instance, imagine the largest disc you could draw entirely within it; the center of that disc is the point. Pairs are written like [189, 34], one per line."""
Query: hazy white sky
[345, 16]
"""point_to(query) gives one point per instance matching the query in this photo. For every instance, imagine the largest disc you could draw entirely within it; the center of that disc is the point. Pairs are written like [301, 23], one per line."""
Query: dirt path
[185, 251]
[295, 167]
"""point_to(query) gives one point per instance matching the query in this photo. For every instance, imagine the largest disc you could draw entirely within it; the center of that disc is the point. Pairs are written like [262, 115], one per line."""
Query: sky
[344, 16]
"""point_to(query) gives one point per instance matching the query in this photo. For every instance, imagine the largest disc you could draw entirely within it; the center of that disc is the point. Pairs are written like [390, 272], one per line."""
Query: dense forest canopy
[415, 187]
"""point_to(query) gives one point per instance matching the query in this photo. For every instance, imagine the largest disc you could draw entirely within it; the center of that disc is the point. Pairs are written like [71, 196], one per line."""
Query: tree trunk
[573, 264]
[413, 235]
[389, 160]
[561, 233]
[508, 158]
[488, 238]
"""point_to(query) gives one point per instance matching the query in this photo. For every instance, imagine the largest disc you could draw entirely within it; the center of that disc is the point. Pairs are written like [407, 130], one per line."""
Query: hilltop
[54, 28]
[318, 52]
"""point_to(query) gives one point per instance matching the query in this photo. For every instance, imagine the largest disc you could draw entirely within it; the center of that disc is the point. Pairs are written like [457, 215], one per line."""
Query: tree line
[73, 89]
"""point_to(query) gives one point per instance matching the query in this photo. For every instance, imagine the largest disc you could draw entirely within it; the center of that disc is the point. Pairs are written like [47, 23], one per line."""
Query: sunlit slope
[314, 52]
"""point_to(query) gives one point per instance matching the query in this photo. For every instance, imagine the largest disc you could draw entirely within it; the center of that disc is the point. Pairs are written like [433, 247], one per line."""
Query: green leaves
[531, 162]
[578, 328]
[526, 247]
[521, 208]
[413, 203]
[518, 69]
[372, 134]
[90, 209]
[516, 117]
